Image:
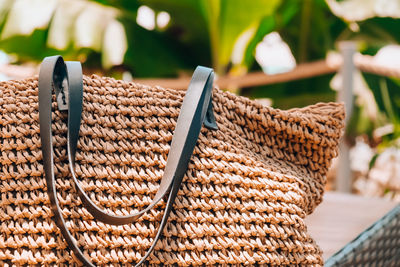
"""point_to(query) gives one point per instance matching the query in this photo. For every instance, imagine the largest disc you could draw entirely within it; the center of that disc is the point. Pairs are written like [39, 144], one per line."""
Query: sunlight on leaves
[5, 6]
[241, 44]
[358, 10]
[163, 19]
[62, 25]
[37, 28]
[146, 18]
[27, 15]
[114, 44]
[227, 20]
[90, 25]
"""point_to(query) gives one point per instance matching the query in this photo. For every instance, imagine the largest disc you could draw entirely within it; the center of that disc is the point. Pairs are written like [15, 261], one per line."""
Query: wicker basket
[243, 200]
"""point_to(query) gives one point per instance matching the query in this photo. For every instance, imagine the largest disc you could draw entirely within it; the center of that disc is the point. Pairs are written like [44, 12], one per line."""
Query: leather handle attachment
[196, 110]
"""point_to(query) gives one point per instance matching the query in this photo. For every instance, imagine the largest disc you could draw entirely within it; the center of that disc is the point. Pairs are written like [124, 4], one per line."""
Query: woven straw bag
[73, 183]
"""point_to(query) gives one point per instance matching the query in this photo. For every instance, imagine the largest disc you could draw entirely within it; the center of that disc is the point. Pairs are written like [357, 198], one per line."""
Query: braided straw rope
[243, 199]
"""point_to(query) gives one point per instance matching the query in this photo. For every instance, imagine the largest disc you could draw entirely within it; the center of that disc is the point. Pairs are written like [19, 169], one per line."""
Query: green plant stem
[214, 39]
[211, 13]
[304, 30]
[388, 106]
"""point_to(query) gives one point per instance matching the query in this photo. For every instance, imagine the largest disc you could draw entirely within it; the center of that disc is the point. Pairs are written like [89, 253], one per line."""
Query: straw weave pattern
[243, 200]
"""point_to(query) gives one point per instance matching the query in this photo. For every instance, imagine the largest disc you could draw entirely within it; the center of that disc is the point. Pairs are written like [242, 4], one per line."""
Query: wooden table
[342, 217]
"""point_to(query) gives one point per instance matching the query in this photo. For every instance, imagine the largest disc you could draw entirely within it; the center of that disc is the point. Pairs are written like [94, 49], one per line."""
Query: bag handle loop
[196, 110]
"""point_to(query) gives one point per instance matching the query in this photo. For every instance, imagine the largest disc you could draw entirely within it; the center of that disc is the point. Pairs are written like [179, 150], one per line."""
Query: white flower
[388, 56]
[386, 170]
[360, 156]
[274, 55]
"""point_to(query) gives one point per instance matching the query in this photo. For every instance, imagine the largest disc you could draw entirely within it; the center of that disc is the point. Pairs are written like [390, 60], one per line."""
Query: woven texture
[379, 245]
[243, 199]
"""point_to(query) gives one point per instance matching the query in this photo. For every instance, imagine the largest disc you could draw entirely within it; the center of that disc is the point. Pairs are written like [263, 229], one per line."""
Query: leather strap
[195, 105]
[196, 110]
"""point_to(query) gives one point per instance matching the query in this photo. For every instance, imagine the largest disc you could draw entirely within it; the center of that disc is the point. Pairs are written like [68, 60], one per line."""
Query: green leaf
[26, 16]
[266, 26]
[28, 48]
[90, 26]
[187, 26]
[283, 15]
[62, 26]
[371, 36]
[220, 22]
[154, 54]
[76, 29]
[187, 18]
[324, 29]
[128, 7]
[228, 19]
[5, 7]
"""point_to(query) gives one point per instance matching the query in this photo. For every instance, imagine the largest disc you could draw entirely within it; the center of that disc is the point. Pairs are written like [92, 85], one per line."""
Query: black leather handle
[196, 110]
[195, 105]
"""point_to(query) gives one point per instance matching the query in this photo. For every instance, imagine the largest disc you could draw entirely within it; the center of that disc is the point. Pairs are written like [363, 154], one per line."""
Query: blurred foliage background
[106, 36]
[109, 37]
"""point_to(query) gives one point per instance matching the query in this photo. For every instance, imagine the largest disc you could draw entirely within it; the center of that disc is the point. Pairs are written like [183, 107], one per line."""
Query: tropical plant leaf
[114, 51]
[128, 7]
[33, 29]
[29, 48]
[5, 7]
[25, 16]
[275, 22]
[320, 38]
[223, 20]
[359, 10]
[228, 19]
[62, 26]
[154, 54]
[187, 26]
